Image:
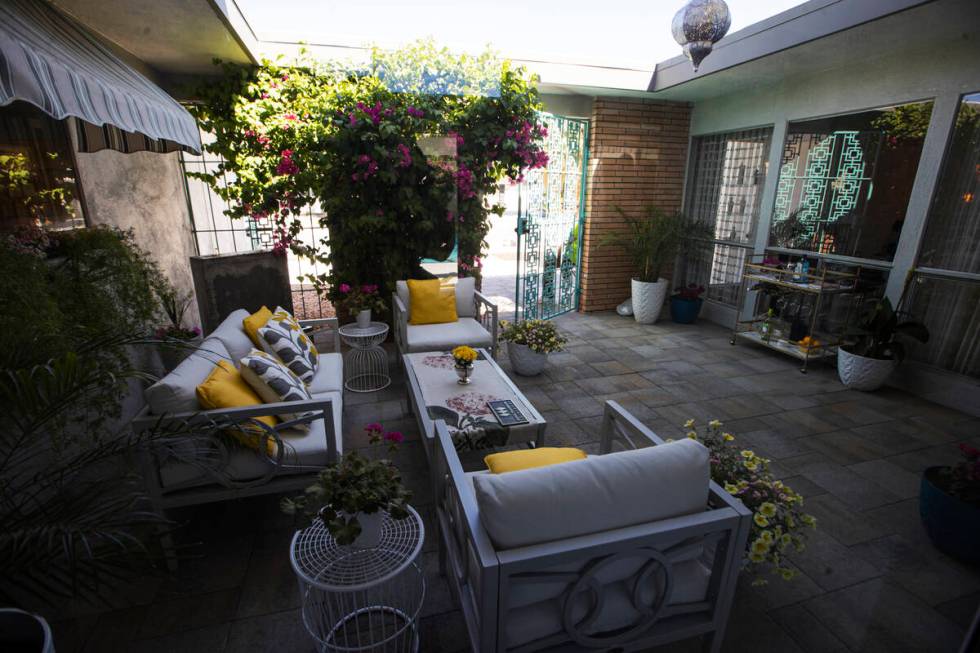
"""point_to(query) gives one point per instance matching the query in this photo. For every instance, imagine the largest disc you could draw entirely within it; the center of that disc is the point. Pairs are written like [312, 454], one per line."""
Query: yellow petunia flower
[751, 465]
[728, 437]
[760, 546]
[689, 424]
[692, 435]
[747, 454]
[715, 424]
[787, 574]
[757, 557]
[766, 536]
[760, 520]
[768, 509]
[731, 489]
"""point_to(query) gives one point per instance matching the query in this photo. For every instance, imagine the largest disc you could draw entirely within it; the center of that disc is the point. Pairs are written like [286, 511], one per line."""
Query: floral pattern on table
[471, 403]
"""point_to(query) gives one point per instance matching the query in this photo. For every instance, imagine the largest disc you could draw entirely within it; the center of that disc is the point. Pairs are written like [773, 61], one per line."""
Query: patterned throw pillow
[284, 338]
[274, 382]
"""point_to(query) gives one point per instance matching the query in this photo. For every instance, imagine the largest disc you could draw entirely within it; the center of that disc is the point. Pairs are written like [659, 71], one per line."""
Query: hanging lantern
[699, 25]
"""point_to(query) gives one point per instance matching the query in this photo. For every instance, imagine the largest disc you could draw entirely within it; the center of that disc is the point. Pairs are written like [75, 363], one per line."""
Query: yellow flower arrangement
[464, 355]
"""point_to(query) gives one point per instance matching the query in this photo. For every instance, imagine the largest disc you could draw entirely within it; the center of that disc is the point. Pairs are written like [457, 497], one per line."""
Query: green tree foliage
[401, 155]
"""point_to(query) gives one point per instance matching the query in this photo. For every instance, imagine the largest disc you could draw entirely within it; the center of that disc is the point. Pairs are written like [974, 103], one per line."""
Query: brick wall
[637, 156]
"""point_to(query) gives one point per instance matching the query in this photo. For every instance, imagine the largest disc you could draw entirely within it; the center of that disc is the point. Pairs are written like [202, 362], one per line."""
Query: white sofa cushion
[304, 448]
[465, 306]
[597, 494]
[274, 382]
[443, 337]
[232, 334]
[176, 392]
[329, 376]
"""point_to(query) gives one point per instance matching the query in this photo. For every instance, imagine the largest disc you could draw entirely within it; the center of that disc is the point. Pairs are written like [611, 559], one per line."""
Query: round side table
[366, 362]
[361, 599]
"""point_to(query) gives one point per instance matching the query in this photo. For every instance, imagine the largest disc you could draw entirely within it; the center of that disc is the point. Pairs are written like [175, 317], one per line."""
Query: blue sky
[616, 32]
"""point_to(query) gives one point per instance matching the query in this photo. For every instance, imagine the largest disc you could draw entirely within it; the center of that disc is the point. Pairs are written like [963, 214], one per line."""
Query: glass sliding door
[945, 293]
[724, 190]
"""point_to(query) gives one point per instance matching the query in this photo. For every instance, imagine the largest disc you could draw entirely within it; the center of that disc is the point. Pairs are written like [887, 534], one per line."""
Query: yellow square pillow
[512, 461]
[225, 388]
[430, 302]
[254, 322]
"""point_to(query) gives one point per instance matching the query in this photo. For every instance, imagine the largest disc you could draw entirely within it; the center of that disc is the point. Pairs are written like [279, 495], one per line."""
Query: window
[845, 181]
[727, 176]
[946, 298]
[37, 171]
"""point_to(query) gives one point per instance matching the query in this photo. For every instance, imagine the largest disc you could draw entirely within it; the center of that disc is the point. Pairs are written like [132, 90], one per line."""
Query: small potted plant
[652, 243]
[949, 504]
[351, 497]
[176, 340]
[360, 301]
[528, 344]
[464, 357]
[878, 347]
[685, 303]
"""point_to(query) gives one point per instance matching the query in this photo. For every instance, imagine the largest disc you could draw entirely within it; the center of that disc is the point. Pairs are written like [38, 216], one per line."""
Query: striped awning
[50, 61]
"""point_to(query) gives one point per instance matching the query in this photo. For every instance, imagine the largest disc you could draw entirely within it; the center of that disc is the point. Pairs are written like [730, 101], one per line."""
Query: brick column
[637, 156]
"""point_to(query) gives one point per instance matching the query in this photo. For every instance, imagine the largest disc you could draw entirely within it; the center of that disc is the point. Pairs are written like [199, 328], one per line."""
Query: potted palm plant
[351, 497]
[949, 504]
[878, 347]
[652, 243]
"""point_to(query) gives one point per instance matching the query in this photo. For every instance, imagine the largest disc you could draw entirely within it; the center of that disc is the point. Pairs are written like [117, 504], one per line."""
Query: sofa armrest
[487, 314]
[325, 321]
[618, 425]
[399, 319]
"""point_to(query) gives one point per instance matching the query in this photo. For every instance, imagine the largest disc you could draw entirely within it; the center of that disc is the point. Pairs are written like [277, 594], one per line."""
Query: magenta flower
[394, 436]
[373, 427]
[290, 116]
[344, 288]
[406, 155]
[415, 113]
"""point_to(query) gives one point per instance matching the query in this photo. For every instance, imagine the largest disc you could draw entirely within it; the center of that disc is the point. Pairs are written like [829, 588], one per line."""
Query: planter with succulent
[685, 303]
[176, 340]
[949, 504]
[878, 347]
[528, 344]
[778, 519]
[359, 301]
[351, 497]
[463, 358]
[652, 243]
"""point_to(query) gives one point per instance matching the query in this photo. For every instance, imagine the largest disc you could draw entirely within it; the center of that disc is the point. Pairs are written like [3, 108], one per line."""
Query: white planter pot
[364, 318]
[371, 523]
[648, 300]
[525, 361]
[861, 373]
[23, 631]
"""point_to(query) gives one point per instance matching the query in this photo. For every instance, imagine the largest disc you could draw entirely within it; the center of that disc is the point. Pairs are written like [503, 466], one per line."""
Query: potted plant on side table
[360, 301]
[351, 497]
[949, 504]
[685, 303]
[877, 349]
[528, 344]
[652, 243]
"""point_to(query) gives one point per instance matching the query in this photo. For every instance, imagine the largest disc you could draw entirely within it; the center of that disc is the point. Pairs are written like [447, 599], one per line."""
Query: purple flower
[344, 288]
[196, 331]
[373, 427]
[415, 113]
[394, 436]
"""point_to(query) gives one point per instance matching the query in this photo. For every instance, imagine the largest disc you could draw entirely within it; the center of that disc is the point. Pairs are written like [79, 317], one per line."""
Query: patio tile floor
[870, 580]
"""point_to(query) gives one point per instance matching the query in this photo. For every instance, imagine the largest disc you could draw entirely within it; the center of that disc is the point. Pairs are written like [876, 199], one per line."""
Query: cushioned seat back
[597, 494]
[231, 332]
[465, 288]
[176, 392]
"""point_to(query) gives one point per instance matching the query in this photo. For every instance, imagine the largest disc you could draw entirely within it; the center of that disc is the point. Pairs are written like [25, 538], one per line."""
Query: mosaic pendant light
[699, 25]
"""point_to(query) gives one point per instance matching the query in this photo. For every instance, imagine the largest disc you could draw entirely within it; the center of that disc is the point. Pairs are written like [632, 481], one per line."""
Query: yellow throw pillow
[254, 322]
[512, 461]
[225, 388]
[430, 302]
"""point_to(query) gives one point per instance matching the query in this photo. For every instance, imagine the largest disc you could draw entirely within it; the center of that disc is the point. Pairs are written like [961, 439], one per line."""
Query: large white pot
[648, 300]
[525, 361]
[371, 523]
[862, 373]
[23, 631]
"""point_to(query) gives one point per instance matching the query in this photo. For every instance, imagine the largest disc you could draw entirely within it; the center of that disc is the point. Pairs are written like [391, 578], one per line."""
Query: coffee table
[434, 394]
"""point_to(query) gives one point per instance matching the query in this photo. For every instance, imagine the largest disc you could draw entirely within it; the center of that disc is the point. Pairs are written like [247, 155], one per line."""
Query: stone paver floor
[870, 580]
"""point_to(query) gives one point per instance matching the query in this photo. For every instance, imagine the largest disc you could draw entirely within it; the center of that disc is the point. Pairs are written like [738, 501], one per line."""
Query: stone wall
[143, 191]
[637, 158]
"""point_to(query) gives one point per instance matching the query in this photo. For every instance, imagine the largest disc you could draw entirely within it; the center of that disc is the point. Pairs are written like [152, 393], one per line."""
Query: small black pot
[953, 525]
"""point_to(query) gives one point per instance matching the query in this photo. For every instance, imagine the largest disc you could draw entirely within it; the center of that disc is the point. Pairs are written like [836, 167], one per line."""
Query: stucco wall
[144, 192]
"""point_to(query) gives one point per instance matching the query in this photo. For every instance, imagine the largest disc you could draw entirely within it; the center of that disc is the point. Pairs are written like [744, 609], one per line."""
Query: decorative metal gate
[551, 208]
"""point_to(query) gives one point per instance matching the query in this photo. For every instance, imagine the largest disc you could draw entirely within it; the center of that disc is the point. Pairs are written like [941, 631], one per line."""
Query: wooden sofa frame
[481, 577]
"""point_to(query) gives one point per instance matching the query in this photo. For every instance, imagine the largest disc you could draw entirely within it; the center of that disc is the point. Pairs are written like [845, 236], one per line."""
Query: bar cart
[815, 334]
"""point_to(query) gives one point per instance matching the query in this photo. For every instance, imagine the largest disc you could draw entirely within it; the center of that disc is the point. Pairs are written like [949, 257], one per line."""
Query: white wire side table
[366, 362]
[362, 599]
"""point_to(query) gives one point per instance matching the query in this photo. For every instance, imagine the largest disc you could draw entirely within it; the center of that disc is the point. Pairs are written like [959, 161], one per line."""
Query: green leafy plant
[653, 242]
[400, 155]
[354, 485]
[360, 298]
[75, 520]
[778, 520]
[880, 334]
[540, 336]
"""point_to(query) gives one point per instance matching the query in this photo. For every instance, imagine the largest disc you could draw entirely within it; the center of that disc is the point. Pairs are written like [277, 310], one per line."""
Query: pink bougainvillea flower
[353, 120]
[264, 96]
[406, 156]
[285, 77]
[415, 113]
[344, 288]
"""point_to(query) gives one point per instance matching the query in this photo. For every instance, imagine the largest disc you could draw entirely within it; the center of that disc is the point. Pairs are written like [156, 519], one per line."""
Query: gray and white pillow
[274, 382]
[283, 337]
